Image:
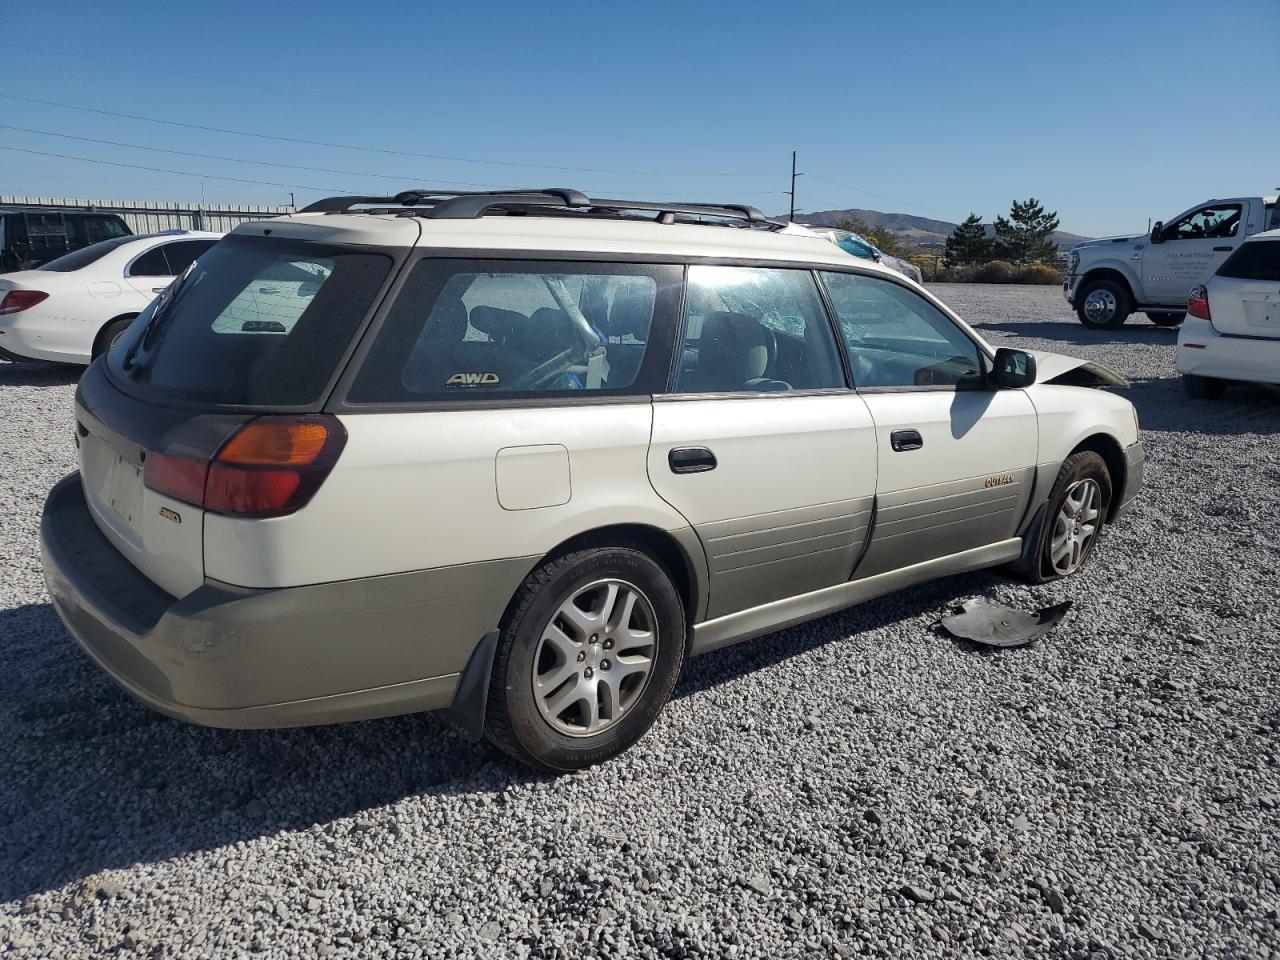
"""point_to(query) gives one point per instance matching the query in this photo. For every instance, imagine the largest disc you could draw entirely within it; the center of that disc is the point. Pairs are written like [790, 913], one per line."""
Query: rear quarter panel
[414, 491]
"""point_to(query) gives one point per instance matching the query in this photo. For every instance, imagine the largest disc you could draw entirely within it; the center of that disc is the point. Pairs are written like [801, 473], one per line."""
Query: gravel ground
[858, 786]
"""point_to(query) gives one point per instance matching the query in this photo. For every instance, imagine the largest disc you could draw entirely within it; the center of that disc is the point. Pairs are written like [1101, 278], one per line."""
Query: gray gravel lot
[857, 786]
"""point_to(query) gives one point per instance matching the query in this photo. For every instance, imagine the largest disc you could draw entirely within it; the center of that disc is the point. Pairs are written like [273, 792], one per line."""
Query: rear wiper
[162, 309]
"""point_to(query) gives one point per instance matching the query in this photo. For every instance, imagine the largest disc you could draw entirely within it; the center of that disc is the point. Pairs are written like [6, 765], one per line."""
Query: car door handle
[903, 440]
[1223, 249]
[691, 460]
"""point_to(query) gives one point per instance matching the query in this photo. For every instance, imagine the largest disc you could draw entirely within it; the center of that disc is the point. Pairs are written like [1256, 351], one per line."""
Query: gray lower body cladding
[768, 556]
[233, 657]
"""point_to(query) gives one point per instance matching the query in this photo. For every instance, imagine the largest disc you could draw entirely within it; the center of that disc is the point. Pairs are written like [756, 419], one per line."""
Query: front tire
[1074, 518]
[1104, 305]
[1203, 388]
[587, 657]
[1166, 318]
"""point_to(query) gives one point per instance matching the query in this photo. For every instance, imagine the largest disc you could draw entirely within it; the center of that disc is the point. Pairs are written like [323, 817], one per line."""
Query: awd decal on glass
[473, 380]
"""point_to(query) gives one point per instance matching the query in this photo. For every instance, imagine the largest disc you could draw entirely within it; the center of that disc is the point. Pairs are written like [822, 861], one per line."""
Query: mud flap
[466, 715]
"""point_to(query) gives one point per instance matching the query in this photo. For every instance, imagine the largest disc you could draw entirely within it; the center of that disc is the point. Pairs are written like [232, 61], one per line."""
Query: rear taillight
[270, 467]
[1198, 302]
[16, 301]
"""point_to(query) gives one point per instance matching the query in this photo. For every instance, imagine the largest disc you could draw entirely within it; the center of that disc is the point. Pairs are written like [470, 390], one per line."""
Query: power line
[261, 163]
[179, 173]
[366, 149]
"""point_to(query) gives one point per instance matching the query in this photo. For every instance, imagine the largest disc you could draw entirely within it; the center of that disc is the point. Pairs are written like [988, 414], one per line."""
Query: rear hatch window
[253, 323]
[1259, 260]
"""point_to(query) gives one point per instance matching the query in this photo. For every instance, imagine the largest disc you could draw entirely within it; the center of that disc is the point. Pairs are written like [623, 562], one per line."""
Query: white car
[1232, 330]
[517, 455]
[70, 309]
[859, 246]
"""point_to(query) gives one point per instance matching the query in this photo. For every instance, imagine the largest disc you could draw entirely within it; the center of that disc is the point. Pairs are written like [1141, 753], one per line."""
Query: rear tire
[1203, 388]
[1075, 515]
[566, 691]
[1104, 304]
[109, 334]
[1166, 318]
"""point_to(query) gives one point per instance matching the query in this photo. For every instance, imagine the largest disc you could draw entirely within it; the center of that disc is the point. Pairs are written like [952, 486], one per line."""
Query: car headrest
[497, 324]
[733, 351]
[593, 304]
[631, 312]
[448, 320]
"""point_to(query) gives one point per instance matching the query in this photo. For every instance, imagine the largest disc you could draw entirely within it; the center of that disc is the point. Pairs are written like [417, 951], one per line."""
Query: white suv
[517, 455]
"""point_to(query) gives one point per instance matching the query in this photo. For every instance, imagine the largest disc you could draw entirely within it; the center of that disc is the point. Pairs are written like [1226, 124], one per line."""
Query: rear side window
[754, 329]
[151, 264]
[473, 329]
[254, 322]
[1259, 260]
[182, 253]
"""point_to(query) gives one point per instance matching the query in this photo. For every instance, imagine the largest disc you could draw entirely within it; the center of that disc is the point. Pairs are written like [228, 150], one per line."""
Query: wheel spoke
[567, 697]
[550, 681]
[591, 706]
[564, 645]
[626, 608]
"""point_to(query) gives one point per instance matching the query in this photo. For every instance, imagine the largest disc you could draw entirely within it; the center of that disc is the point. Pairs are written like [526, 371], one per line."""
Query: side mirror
[1157, 232]
[1013, 368]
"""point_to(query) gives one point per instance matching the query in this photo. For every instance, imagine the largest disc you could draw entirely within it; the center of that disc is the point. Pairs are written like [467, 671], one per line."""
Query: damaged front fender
[1073, 372]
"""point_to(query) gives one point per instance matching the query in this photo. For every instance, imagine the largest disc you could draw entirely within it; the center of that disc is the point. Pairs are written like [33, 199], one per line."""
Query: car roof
[558, 233]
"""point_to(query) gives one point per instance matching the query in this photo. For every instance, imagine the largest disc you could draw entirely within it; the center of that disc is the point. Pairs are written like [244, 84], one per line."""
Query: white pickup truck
[1109, 279]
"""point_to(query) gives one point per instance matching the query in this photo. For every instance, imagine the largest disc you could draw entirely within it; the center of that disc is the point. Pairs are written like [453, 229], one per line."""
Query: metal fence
[152, 217]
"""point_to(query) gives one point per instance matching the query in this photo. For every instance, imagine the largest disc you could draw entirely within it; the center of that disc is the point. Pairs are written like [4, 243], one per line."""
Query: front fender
[1126, 269]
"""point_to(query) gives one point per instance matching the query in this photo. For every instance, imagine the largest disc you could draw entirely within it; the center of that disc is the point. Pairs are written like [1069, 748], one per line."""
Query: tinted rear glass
[255, 322]
[85, 255]
[1259, 260]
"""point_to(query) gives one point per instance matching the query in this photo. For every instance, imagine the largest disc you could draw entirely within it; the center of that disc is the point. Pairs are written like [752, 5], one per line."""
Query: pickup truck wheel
[1203, 388]
[1074, 516]
[587, 657]
[1166, 318]
[1104, 305]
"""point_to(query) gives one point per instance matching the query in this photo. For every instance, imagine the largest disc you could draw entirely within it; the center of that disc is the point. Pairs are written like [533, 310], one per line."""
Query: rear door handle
[902, 440]
[691, 460]
[1223, 249]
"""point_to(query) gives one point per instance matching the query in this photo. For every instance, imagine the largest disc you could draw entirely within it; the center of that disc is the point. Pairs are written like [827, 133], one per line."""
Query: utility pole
[792, 191]
[293, 203]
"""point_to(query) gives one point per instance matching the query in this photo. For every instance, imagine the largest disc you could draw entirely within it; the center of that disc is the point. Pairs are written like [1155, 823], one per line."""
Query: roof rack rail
[463, 205]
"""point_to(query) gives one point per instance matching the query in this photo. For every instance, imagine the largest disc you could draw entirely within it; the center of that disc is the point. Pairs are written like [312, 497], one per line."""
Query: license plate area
[1262, 312]
[114, 485]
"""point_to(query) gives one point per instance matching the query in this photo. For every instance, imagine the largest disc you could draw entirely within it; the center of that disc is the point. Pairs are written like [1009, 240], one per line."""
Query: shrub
[995, 271]
[1040, 273]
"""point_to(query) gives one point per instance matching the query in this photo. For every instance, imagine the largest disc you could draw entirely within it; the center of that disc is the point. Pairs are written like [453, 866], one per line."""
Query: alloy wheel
[1100, 305]
[1075, 526]
[595, 657]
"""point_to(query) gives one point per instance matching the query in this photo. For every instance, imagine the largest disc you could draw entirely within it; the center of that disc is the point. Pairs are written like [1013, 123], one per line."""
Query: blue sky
[1109, 112]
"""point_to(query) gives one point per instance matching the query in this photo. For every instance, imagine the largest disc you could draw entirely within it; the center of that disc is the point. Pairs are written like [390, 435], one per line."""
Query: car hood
[1072, 371]
[1108, 241]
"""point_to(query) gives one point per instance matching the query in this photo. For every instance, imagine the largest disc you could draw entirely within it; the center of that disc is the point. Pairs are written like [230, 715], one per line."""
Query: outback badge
[473, 380]
[1000, 480]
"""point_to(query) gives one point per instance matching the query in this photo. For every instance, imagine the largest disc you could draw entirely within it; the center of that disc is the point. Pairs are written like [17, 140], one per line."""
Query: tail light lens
[15, 301]
[270, 467]
[1198, 303]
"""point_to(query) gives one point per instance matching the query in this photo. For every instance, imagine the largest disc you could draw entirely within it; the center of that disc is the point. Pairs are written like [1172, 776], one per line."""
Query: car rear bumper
[1205, 352]
[31, 335]
[227, 656]
[1135, 466]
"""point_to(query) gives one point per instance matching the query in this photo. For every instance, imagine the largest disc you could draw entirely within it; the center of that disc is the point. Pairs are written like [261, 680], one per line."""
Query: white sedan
[73, 308]
[1232, 330]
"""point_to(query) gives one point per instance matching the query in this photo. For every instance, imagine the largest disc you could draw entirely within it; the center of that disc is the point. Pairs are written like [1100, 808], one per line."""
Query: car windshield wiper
[128, 363]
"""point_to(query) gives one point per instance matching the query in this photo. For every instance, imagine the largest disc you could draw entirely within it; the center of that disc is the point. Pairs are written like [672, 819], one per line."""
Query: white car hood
[1057, 368]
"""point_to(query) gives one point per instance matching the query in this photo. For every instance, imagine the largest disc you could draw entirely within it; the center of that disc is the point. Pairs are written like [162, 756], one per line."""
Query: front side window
[897, 338]
[755, 329]
[473, 329]
[1215, 222]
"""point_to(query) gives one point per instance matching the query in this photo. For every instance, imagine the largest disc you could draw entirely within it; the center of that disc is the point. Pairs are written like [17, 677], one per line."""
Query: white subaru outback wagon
[516, 455]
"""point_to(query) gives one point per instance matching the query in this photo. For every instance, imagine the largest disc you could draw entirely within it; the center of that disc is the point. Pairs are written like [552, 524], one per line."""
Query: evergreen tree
[1024, 237]
[968, 243]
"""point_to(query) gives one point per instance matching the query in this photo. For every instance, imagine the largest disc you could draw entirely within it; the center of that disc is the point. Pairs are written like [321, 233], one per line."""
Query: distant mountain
[921, 232]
